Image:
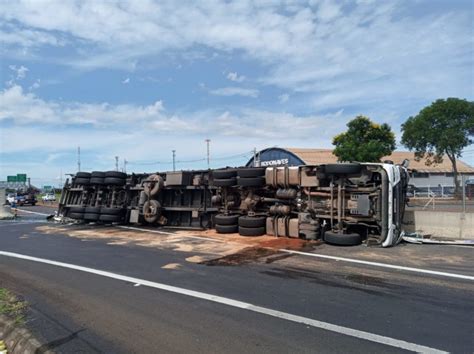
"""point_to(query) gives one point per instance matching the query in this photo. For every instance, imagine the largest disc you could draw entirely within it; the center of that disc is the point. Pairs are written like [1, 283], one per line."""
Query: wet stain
[337, 281]
[247, 255]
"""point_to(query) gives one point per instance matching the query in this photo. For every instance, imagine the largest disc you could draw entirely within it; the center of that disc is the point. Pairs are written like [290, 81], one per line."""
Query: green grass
[12, 307]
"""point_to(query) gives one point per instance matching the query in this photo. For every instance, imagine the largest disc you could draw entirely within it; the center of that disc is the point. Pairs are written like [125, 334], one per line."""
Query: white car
[50, 197]
[11, 198]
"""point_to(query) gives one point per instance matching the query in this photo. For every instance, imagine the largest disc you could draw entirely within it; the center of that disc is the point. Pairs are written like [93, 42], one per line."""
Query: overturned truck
[344, 203]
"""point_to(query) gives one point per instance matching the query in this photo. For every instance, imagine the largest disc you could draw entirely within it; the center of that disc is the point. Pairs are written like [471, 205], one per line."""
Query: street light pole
[174, 160]
[208, 153]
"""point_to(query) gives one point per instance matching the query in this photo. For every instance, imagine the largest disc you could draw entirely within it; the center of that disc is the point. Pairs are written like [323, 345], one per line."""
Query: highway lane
[425, 310]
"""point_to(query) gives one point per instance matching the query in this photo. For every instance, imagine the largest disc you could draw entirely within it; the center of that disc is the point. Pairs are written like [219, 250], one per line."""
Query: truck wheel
[224, 174]
[251, 181]
[114, 181]
[251, 231]
[93, 210]
[334, 238]
[153, 184]
[97, 180]
[111, 211]
[116, 174]
[110, 218]
[151, 211]
[227, 229]
[82, 181]
[221, 219]
[227, 182]
[251, 172]
[76, 209]
[253, 221]
[83, 175]
[91, 216]
[343, 168]
[78, 216]
[97, 174]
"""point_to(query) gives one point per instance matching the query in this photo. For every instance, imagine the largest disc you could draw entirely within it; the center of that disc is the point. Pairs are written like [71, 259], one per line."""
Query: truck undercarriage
[343, 204]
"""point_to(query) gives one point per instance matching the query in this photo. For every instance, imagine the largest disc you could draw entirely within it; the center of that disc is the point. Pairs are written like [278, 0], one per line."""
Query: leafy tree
[364, 141]
[443, 128]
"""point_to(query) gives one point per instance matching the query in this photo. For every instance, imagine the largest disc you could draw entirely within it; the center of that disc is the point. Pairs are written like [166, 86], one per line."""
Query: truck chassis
[345, 204]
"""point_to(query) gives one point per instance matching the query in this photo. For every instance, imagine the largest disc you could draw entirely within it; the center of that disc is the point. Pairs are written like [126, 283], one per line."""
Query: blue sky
[137, 79]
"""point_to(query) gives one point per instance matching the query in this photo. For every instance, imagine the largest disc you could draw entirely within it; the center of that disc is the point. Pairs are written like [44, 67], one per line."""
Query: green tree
[443, 128]
[364, 141]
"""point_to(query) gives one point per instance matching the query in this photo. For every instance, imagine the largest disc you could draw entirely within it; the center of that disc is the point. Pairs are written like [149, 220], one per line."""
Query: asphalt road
[76, 311]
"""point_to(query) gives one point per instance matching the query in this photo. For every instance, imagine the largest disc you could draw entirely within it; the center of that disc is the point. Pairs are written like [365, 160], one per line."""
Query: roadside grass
[12, 307]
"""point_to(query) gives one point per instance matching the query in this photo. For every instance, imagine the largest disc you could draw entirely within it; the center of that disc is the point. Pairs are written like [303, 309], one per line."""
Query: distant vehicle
[11, 198]
[50, 197]
[28, 199]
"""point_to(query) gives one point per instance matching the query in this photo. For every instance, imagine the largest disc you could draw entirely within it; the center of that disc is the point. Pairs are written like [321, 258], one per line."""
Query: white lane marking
[397, 343]
[169, 233]
[34, 212]
[383, 265]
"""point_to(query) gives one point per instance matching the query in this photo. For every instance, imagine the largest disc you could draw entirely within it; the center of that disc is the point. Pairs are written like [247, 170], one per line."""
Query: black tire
[221, 219]
[91, 216]
[92, 210]
[343, 168]
[83, 175]
[97, 174]
[151, 211]
[251, 181]
[78, 216]
[227, 229]
[115, 174]
[82, 181]
[111, 211]
[228, 182]
[334, 238]
[114, 181]
[253, 221]
[77, 209]
[97, 180]
[224, 174]
[251, 231]
[110, 218]
[153, 184]
[251, 172]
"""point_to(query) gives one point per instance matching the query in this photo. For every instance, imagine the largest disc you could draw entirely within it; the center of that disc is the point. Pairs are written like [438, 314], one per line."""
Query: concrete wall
[451, 225]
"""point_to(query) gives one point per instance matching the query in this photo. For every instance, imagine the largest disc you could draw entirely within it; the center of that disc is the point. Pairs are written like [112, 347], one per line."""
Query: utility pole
[254, 157]
[78, 159]
[125, 162]
[208, 153]
[174, 160]
[116, 163]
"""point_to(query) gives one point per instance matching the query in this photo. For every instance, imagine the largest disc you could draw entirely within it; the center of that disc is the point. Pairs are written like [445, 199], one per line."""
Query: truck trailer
[342, 204]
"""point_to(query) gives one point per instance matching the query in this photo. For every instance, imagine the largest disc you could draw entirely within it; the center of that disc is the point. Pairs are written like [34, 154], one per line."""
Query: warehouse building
[436, 179]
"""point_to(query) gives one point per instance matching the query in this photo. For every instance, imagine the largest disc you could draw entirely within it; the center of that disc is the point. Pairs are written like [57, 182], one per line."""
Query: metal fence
[443, 198]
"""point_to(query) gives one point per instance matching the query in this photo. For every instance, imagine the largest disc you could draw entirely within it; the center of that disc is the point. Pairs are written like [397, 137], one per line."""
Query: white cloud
[235, 91]
[233, 76]
[36, 85]
[284, 98]
[126, 81]
[25, 108]
[20, 71]
[320, 48]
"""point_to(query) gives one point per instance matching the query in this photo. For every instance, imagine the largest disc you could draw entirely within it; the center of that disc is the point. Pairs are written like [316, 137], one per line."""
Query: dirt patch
[244, 256]
[171, 266]
[295, 244]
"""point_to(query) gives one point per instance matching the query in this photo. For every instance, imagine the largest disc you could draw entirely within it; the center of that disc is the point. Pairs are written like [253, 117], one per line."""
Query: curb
[18, 339]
